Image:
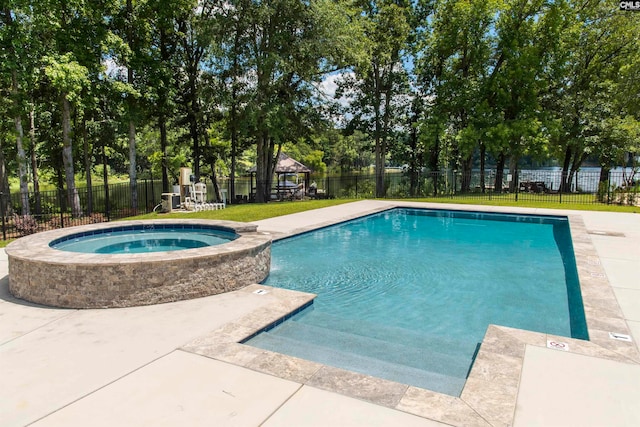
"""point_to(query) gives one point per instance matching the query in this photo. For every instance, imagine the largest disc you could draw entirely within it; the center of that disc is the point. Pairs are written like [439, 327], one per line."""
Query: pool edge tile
[440, 407]
[284, 366]
[365, 387]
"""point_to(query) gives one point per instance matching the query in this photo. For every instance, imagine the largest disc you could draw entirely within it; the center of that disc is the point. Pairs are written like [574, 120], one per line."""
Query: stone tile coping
[36, 246]
[490, 392]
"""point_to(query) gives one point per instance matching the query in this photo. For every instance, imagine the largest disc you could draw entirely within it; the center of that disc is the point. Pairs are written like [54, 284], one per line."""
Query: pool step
[394, 334]
[345, 359]
[455, 364]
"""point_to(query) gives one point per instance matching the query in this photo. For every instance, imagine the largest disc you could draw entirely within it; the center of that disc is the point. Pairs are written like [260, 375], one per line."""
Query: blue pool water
[408, 294]
[143, 239]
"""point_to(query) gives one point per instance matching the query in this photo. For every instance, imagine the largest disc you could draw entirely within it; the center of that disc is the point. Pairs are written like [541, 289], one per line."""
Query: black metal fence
[545, 186]
[50, 210]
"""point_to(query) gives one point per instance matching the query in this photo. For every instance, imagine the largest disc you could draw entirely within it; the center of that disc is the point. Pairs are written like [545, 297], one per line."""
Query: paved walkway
[125, 366]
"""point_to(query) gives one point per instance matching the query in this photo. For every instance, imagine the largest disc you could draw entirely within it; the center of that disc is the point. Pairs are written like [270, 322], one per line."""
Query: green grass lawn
[255, 212]
[530, 202]
[251, 211]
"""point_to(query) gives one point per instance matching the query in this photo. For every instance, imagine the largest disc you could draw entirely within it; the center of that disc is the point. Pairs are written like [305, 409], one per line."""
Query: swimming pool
[407, 295]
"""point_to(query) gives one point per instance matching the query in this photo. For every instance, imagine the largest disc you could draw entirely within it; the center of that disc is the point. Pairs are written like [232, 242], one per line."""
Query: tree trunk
[262, 169]
[105, 179]
[67, 158]
[22, 167]
[133, 177]
[413, 165]
[603, 182]
[379, 149]
[163, 148]
[5, 191]
[214, 181]
[271, 165]
[162, 107]
[565, 185]
[483, 155]
[434, 155]
[234, 147]
[87, 167]
[192, 112]
[386, 117]
[513, 171]
[22, 158]
[604, 174]
[234, 115]
[465, 185]
[497, 186]
[379, 165]
[34, 161]
[60, 184]
[133, 185]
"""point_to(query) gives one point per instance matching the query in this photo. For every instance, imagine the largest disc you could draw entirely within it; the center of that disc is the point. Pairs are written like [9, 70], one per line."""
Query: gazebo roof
[286, 164]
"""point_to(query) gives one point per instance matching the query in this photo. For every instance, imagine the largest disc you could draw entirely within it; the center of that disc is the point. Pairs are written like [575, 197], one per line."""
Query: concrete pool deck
[169, 364]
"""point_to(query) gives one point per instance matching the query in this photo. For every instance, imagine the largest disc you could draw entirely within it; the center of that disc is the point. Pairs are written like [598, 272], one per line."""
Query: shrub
[603, 192]
[56, 221]
[95, 218]
[25, 224]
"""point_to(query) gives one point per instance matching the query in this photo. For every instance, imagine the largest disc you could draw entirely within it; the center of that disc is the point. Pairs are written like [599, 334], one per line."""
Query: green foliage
[66, 75]
[313, 161]
[439, 83]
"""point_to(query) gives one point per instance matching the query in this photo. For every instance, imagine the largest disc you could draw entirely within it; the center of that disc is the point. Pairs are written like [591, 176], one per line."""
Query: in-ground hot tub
[41, 274]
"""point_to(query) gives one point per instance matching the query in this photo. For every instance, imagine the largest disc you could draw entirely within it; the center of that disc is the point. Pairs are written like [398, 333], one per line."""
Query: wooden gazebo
[285, 167]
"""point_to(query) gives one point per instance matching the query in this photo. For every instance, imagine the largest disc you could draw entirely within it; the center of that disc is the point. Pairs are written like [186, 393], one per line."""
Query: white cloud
[113, 70]
[329, 85]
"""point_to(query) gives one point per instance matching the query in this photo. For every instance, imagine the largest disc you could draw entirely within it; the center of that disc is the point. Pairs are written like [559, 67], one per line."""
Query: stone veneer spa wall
[41, 274]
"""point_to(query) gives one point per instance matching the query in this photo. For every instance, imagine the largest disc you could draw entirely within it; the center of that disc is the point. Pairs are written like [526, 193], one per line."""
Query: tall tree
[594, 46]
[75, 34]
[292, 45]
[378, 80]
[453, 69]
[524, 39]
[231, 36]
[195, 25]
[157, 78]
[69, 78]
[131, 32]
[13, 33]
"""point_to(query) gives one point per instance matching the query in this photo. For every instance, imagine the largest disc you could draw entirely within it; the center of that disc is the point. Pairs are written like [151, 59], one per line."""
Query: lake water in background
[585, 180]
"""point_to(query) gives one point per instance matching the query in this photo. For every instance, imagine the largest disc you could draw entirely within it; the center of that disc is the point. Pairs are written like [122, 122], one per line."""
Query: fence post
[326, 188]
[4, 228]
[60, 207]
[609, 188]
